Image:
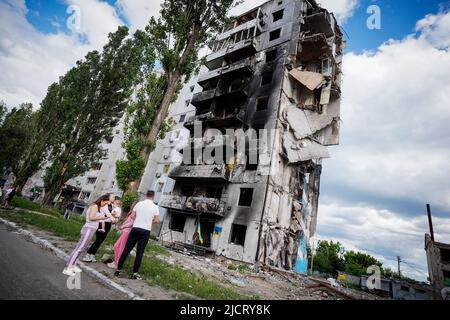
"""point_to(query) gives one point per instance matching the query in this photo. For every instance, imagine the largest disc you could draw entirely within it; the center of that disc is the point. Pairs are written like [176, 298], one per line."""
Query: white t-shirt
[145, 212]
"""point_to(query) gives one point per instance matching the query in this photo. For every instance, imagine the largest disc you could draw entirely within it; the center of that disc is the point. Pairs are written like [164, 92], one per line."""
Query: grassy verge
[27, 204]
[155, 271]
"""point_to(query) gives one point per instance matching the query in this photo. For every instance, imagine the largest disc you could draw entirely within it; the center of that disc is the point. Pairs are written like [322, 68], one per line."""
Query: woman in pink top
[125, 230]
[93, 217]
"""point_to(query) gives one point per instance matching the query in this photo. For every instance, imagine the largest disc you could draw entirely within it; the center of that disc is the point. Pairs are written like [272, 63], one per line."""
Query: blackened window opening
[177, 222]
[238, 233]
[246, 197]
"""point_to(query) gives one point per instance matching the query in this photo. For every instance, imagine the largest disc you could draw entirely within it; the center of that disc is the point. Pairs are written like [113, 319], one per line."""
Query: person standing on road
[101, 234]
[93, 216]
[146, 213]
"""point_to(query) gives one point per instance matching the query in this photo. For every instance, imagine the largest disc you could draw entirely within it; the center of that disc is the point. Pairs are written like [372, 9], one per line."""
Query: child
[116, 213]
[117, 209]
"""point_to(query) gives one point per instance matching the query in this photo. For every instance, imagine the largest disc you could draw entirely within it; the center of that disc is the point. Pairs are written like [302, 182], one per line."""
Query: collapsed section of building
[278, 68]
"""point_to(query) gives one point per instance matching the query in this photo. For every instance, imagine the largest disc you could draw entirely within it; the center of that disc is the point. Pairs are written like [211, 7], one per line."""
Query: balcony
[233, 52]
[234, 92]
[203, 99]
[241, 69]
[321, 22]
[214, 173]
[218, 119]
[193, 205]
[228, 92]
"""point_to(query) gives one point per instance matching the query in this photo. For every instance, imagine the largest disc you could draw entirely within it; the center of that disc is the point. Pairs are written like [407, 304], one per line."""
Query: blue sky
[399, 18]
[393, 157]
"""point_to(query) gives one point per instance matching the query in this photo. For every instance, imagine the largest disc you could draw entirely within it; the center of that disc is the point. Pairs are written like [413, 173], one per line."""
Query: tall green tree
[44, 132]
[356, 263]
[91, 100]
[15, 136]
[3, 111]
[329, 257]
[183, 27]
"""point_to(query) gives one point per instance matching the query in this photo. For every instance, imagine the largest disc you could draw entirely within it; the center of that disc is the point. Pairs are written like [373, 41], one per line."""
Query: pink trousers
[119, 246]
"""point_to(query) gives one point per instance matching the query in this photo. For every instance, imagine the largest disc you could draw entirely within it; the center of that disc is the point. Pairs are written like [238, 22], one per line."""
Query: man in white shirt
[146, 213]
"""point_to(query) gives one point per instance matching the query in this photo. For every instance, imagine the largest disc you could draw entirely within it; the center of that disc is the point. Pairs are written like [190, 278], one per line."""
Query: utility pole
[399, 271]
[430, 222]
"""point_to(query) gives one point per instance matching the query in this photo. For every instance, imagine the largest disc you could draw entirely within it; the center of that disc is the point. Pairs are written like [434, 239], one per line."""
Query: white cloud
[435, 29]
[382, 233]
[395, 112]
[342, 9]
[30, 61]
[97, 19]
[138, 12]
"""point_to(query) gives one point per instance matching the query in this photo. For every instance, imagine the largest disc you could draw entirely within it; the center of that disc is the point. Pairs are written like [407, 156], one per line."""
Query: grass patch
[26, 204]
[243, 268]
[68, 230]
[154, 248]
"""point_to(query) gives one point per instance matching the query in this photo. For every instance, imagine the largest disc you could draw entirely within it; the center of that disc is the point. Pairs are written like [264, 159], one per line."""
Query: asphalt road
[28, 272]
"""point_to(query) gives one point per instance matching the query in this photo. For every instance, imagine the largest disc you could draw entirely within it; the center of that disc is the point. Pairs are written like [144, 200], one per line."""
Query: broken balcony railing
[214, 172]
[193, 205]
[218, 119]
[236, 90]
[236, 44]
[240, 69]
[321, 22]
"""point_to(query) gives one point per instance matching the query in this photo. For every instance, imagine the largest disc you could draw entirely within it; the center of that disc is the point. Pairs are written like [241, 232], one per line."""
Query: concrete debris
[236, 281]
[311, 80]
[305, 123]
[303, 150]
[333, 282]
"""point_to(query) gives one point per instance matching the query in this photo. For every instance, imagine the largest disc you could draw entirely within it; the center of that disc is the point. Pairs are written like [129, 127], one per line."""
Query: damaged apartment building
[278, 68]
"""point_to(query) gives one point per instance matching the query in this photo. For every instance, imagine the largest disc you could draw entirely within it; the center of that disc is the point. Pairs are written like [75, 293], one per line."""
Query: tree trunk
[20, 187]
[173, 80]
[156, 126]
[55, 187]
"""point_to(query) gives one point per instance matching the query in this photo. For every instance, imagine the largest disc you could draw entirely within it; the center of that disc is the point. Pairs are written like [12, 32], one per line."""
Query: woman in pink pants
[119, 246]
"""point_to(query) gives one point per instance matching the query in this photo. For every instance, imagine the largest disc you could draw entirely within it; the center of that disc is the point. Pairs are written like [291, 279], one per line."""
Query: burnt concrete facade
[276, 68]
[438, 258]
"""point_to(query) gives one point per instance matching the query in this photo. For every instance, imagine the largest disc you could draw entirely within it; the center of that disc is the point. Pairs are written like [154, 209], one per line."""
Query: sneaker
[93, 258]
[117, 273]
[136, 276]
[69, 272]
[87, 258]
[112, 265]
